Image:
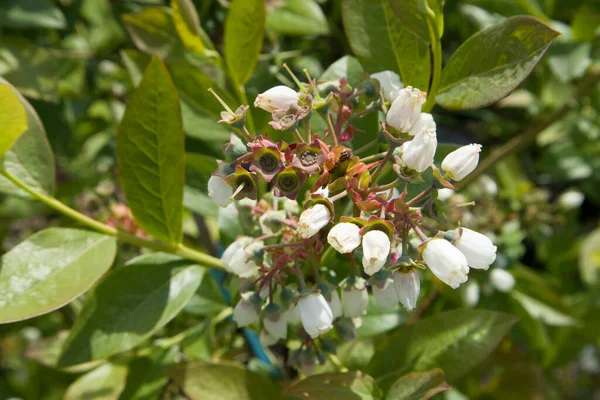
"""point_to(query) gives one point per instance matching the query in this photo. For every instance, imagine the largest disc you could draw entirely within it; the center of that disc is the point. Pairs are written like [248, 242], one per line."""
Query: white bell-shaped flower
[292, 315]
[502, 280]
[239, 258]
[406, 108]
[419, 152]
[274, 321]
[355, 298]
[425, 121]
[408, 287]
[376, 248]
[233, 248]
[470, 294]
[477, 248]
[445, 261]
[247, 310]
[571, 199]
[312, 220]
[445, 193]
[266, 338]
[335, 304]
[384, 293]
[219, 191]
[277, 98]
[462, 161]
[390, 84]
[315, 314]
[344, 237]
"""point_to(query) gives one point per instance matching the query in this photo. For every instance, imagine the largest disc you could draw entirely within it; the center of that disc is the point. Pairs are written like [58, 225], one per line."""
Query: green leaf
[298, 17]
[346, 67]
[208, 299]
[31, 14]
[149, 374]
[30, 159]
[187, 24]
[493, 62]
[418, 385]
[50, 269]
[342, 386]
[382, 42]
[13, 118]
[543, 312]
[103, 383]
[589, 258]
[153, 31]
[413, 16]
[30, 68]
[454, 341]
[150, 152]
[569, 60]
[244, 30]
[222, 381]
[130, 305]
[379, 320]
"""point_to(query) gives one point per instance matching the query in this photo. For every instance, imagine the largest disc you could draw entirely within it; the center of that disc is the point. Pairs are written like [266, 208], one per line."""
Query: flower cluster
[324, 231]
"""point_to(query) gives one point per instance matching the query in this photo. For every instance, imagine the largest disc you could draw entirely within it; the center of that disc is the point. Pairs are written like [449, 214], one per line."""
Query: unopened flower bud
[502, 280]
[274, 321]
[355, 298]
[312, 220]
[425, 121]
[470, 294]
[376, 248]
[390, 84]
[277, 98]
[462, 161]
[385, 293]
[445, 261]
[239, 257]
[219, 191]
[478, 249]
[571, 199]
[292, 315]
[315, 314]
[344, 237]
[419, 152]
[408, 287]
[406, 108]
[247, 310]
[271, 221]
[266, 338]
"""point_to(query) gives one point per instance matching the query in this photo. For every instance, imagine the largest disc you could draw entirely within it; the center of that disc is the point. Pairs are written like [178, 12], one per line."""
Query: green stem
[178, 249]
[436, 48]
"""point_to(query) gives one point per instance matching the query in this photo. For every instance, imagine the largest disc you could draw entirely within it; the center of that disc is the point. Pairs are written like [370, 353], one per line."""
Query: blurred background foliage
[76, 61]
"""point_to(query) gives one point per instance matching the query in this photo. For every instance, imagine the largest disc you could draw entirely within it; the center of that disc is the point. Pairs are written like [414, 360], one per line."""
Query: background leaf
[201, 381]
[382, 42]
[150, 152]
[50, 269]
[342, 386]
[103, 383]
[244, 30]
[298, 17]
[589, 258]
[493, 62]
[418, 386]
[118, 315]
[13, 118]
[148, 375]
[31, 14]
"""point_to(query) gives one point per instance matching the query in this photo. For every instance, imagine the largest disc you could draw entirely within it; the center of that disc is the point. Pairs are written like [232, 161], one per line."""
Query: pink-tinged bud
[376, 248]
[477, 248]
[344, 237]
[277, 98]
[406, 108]
[408, 287]
[419, 152]
[315, 314]
[445, 261]
[462, 161]
[312, 220]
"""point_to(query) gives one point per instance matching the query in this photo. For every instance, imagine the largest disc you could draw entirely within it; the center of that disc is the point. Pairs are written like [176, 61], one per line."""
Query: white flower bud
[270, 221]
[315, 314]
[355, 299]
[246, 310]
[312, 220]
[462, 161]
[219, 191]
[445, 261]
[274, 322]
[277, 98]
[344, 237]
[408, 287]
[478, 249]
[238, 257]
[266, 339]
[229, 252]
[376, 248]
[502, 280]
[385, 293]
[419, 152]
[290, 206]
[445, 193]
[406, 108]
[571, 199]
[335, 304]
[425, 121]
[390, 84]
[292, 315]
[470, 294]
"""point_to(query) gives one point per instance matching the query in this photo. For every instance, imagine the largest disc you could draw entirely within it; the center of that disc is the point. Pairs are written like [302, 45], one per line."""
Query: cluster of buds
[311, 195]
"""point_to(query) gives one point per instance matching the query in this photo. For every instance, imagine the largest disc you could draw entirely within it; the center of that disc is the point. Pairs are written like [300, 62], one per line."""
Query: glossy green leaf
[200, 381]
[31, 14]
[493, 62]
[13, 118]
[511, 7]
[382, 42]
[346, 67]
[569, 60]
[454, 341]
[150, 152]
[418, 386]
[342, 386]
[149, 374]
[543, 312]
[298, 17]
[130, 305]
[187, 24]
[103, 383]
[379, 320]
[244, 30]
[412, 15]
[50, 269]
[30, 158]
[589, 258]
